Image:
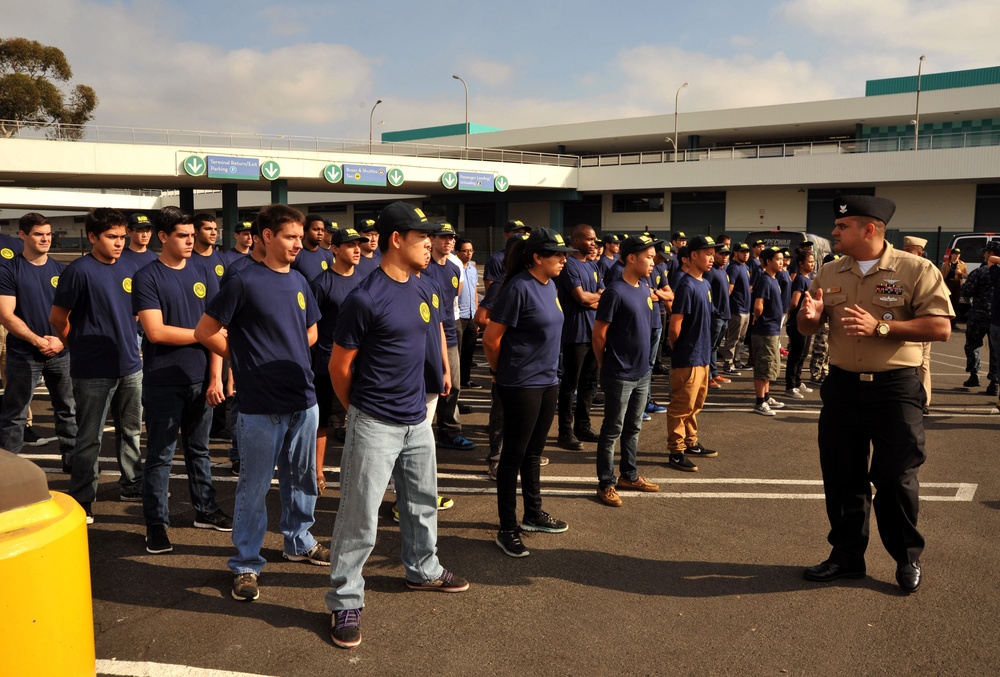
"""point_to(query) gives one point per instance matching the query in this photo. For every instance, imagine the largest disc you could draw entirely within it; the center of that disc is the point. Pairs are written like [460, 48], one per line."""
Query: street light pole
[677, 97]
[916, 117]
[371, 125]
[466, 109]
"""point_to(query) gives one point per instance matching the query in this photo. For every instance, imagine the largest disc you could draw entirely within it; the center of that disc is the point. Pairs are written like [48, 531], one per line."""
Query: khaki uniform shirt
[900, 286]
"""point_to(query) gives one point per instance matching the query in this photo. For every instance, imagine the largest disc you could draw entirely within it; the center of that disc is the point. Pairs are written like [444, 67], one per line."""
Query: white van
[972, 246]
[791, 239]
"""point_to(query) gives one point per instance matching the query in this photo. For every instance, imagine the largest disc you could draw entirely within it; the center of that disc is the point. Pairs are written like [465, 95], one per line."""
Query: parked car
[792, 239]
[972, 246]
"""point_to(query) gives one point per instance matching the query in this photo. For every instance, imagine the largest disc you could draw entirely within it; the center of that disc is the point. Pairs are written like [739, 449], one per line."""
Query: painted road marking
[148, 669]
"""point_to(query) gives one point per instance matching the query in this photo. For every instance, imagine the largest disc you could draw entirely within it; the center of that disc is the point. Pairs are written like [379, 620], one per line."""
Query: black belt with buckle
[868, 377]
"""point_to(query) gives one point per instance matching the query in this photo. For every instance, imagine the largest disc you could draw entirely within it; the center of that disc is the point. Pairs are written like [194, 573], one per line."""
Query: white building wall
[749, 209]
[924, 208]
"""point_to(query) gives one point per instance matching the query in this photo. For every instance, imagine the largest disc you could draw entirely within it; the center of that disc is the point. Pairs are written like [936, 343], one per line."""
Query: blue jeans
[287, 441]
[718, 333]
[169, 409]
[624, 402]
[19, 388]
[93, 399]
[373, 451]
[655, 337]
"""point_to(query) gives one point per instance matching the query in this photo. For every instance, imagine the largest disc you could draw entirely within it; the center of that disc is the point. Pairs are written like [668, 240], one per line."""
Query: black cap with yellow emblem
[243, 227]
[344, 235]
[637, 243]
[546, 240]
[400, 217]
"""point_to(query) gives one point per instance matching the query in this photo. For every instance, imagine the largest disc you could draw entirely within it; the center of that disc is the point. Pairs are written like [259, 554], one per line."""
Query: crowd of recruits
[251, 321]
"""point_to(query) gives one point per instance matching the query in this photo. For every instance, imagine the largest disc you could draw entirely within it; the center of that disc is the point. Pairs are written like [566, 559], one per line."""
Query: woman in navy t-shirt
[522, 345]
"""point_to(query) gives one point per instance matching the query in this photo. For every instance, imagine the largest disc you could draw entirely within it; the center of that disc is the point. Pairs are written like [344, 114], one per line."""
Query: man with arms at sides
[140, 232]
[621, 346]
[181, 380]
[370, 254]
[378, 372]
[330, 288]
[206, 233]
[468, 303]
[92, 314]
[767, 314]
[882, 304]
[264, 320]
[719, 280]
[313, 259]
[27, 286]
[915, 245]
[739, 309]
[243, 237]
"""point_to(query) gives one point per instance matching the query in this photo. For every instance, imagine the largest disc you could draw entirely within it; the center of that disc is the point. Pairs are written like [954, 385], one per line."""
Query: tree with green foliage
[29, 95]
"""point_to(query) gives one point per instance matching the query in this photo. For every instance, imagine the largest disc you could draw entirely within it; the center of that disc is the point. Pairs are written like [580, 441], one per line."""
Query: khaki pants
[689, 386]
[925, 372]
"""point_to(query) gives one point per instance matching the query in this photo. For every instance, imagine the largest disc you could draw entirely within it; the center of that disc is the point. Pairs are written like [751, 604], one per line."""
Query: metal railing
[270, 142]
[747, 152]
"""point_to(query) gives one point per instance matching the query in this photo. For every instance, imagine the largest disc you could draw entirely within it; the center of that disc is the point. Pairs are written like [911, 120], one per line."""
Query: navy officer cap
[637, 243]
[400, 217]
[864, 205]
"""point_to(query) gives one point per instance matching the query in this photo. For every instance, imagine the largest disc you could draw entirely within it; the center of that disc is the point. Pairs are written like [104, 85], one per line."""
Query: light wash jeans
[93, 399]
[624, 402]
[373, 451]
[289, 442]
[19, 388]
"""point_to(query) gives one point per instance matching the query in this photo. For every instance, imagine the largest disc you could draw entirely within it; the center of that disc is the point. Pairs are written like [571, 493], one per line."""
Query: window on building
[637, 202]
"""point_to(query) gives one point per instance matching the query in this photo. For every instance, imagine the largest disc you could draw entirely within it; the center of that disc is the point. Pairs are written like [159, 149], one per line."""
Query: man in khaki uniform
[915, 245]
[882, 304]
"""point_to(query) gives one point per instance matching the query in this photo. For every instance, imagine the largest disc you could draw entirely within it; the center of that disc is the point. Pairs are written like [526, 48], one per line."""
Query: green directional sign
[194, 166]
[333, 173]
[395, 176]
[449, 180]
[271, 170]
[501, 183]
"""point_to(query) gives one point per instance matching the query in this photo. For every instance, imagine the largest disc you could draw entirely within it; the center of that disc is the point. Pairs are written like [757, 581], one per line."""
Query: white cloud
[488, 72]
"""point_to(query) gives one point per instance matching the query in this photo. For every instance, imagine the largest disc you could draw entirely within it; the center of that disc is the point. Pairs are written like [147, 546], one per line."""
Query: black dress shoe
[908, 576]
[570, 442]
[587, 435]
[827, 571]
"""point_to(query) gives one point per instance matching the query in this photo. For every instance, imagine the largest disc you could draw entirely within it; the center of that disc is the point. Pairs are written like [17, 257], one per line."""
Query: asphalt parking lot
[704, 577]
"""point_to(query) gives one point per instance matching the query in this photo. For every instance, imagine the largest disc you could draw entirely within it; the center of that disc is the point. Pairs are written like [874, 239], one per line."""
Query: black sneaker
[88, 512]
[510, 543]
[972, 381]
[32, 439]
[131, 495]
[245, 587]
[67, 464]
[700, 450]
[235, 468]
[345, 628]
[681, 462]
[446, 582]
[217, 520]
[587, 435]
[991, 389]
[569, 441]
[156, 539]
[544, 522]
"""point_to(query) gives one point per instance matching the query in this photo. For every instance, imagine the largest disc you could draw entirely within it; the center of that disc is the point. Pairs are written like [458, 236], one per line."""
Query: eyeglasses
[465, 251]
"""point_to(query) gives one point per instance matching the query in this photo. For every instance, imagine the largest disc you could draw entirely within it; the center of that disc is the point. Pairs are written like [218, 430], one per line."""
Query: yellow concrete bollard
[46, 612]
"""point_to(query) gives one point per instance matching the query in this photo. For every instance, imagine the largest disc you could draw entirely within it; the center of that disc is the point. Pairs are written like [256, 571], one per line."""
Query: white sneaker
[775, 404]
[763, 409]
[794, 394]
[804, 389]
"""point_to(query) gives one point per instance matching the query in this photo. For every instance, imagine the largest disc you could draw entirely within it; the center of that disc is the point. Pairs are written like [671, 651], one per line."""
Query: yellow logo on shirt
[709, 295]
[302, 300]
[558, 305]
[425, 312]
[55, 281]
[323, 265]
[435, 301]
[596, 279]
[454, 282]
[650, 301]
[127, 284]
[219, 269]
[7, 253]
[199, 289]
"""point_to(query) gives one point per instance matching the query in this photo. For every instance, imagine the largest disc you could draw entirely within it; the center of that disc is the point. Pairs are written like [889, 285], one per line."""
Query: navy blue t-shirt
[367, 265]
[693, 299]
[718, 279]
[330, 289]
[311, 264]
[34, 287]
[769, 323]
[579, 321]
[231, 256]
[433, 360]
[674, 271]
[237, 264]
[490, 297]
[387, 322]
[268, 315]
[799, 284]
[739, 277]
[139, 259]
[10, 247]
[529, 350]
[756, 270]
[213, 263]
[785, 285]
[627, 309]
[495, 268]
[181, 296]
[604, 264]
[102, 341]
[447, 277]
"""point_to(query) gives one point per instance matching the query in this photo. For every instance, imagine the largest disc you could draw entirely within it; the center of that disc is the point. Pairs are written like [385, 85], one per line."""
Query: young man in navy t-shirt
[264, 320]
[718, 278]
[140, 232]
[690, 337]
[243, 243]
[768, 312]
[370, 254]
[739, 309]
[92, 314]
[378, 372]
[621, 346]
[312, 259]
[181, 379]
[495, 269]
[27, 286]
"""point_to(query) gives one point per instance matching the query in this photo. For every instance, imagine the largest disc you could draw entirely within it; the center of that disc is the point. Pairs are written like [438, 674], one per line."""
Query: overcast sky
[315, 68]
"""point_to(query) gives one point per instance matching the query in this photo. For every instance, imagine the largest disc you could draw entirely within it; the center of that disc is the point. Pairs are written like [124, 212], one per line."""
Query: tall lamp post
[916, 117]
[677, 98]
[371, 125]
[466, 109]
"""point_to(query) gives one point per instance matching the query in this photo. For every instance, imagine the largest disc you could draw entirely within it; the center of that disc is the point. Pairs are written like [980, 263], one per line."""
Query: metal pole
[371, 117]
[916, 117]
[466, 109]
[677, 97]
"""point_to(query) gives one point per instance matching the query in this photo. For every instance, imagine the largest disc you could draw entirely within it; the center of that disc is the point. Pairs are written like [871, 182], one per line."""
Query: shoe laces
[349, 618]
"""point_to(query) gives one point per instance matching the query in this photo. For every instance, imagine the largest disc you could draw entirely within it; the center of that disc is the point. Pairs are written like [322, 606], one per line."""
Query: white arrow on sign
[194, 166]
[501, 183]
[395, 177]
[271, 170]
[449, 180]
[333, 173]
